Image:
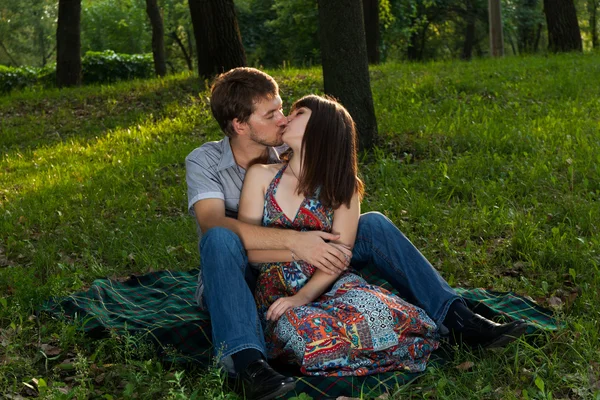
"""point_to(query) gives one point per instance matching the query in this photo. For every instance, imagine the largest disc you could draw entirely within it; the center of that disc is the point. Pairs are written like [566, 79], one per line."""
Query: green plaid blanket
[160, 306]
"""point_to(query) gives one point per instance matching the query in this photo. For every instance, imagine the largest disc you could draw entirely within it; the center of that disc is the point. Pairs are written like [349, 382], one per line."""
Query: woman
[328, 325]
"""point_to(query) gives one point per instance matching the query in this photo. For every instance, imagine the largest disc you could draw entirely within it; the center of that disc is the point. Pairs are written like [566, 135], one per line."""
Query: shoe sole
[508, 337]
[279, 392]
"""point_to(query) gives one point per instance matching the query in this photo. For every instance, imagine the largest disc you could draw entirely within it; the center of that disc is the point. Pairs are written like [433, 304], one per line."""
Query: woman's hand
[282, 304]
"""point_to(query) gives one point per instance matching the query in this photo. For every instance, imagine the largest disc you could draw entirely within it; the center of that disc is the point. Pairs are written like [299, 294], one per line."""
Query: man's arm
[272, 243]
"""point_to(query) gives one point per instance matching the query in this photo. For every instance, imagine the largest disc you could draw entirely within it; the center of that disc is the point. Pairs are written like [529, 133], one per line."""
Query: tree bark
[470, 18]
[496, 33]
[188, 58]
[593, 13]
[218, 40]
[412, 50]
[345, 63]
[158, 37]
[563, 27]
[12, 60]
[68, 43]
[371, 17]
[467, 52]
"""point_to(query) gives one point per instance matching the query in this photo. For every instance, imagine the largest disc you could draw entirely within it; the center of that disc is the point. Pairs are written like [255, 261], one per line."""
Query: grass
[490, 167]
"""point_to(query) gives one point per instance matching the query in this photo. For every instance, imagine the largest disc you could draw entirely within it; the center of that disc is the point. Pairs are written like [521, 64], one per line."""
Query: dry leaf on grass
[555, 302]
[50, 350]
[466, 366]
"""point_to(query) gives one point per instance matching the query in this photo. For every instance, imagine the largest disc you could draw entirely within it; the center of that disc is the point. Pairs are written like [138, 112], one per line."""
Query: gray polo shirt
[211, 173]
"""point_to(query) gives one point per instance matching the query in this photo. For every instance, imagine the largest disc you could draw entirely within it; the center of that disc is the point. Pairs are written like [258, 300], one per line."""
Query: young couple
[275, 256]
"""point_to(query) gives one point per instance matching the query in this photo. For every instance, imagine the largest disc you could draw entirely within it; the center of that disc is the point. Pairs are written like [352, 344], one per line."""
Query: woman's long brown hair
[329, 148]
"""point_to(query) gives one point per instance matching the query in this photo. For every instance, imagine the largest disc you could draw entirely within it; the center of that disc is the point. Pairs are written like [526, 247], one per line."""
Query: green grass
[491, 167]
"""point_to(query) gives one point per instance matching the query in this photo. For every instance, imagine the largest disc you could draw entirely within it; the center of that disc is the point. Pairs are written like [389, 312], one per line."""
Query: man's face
[267, 122]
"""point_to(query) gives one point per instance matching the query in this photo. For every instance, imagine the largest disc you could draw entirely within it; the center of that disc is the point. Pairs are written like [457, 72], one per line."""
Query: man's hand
[282, 304]
[330, 258]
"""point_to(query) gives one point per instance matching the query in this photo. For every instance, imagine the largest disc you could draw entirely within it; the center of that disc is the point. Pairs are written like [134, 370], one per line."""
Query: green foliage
[120, 26]
[19, 78]
[98, 67]
[491, 168]
[277, 32]
[108, 66]
[27, 32]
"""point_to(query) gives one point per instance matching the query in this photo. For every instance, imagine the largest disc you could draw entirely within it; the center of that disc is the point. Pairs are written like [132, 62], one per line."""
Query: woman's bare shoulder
[262, 172]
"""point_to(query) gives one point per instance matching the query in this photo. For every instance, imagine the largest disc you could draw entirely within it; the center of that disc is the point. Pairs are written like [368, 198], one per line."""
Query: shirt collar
[228, 161]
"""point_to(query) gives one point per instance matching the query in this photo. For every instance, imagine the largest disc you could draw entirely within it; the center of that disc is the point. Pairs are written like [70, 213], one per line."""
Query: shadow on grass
[29, 121]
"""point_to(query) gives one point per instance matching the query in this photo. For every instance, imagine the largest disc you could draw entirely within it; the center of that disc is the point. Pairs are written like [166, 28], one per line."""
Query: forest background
[285, 32]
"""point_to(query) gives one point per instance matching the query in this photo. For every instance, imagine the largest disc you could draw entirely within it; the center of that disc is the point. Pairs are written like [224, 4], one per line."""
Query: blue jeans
[229, 281]
[381, 244]
[229, 295]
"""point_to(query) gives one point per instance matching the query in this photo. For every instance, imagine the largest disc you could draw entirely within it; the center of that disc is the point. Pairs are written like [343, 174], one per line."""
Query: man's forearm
[268, 256]
[256, 237]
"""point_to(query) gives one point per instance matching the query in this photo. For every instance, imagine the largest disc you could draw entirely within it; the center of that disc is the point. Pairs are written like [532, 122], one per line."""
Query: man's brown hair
[329, 148]
[234, 93]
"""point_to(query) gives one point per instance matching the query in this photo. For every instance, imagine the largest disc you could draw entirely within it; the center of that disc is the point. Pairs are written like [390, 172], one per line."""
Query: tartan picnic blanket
[160, 307]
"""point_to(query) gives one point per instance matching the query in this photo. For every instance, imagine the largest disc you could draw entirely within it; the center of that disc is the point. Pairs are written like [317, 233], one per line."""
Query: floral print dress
[353, 329]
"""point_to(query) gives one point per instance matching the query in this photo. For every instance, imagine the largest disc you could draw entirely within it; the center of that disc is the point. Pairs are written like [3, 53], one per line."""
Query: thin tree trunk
[12, 60]
[42, 43]
[191, 41]
[187, 57]
[496, 33]
[593, 13]
[412, 51]
[423, 41]
[158, 39]
[538, 36]
[218, 40]
[345, 63]
[371, 18]
[563, 27]
[68, 43]
[467, 52]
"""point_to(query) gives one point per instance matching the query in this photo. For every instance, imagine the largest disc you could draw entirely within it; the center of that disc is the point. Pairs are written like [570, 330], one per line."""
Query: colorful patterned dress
[353, 329]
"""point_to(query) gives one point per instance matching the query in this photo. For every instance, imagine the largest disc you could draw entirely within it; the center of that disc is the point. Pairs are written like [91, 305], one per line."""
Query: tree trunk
[538, 36]
[371, 16]
[470, 17]
[158, 39]
[593, 13]
[12, 60]
[467, 53]
[496, 33]
[218, 40]
[345, 63]
[412, 51]
[563, 27]
[68, 43]
[188, 58]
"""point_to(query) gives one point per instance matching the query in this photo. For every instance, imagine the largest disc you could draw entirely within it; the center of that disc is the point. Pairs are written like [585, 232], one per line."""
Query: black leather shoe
[261, 382]
[480, 331]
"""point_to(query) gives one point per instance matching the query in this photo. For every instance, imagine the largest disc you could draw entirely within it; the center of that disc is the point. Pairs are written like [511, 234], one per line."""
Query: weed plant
[492, 169]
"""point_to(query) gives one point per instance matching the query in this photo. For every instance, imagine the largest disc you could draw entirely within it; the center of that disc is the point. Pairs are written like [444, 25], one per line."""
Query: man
[246, 104]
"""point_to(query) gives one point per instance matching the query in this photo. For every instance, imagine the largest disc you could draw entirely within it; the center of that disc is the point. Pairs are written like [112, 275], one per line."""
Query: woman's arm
[251, 208]
[345, 223]
[253, 194]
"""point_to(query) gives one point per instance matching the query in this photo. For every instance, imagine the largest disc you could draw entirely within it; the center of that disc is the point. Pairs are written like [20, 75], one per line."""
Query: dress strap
[275, 182]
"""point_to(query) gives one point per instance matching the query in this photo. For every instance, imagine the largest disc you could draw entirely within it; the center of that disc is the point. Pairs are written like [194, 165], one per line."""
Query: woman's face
[294, 132]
